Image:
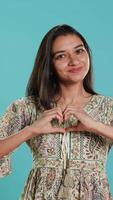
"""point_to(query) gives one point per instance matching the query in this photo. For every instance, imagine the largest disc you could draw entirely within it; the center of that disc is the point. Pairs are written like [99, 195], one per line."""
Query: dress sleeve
[110, 114]
[14, 119]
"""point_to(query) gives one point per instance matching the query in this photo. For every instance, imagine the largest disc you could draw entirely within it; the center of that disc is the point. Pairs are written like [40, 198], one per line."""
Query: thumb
[61, 130]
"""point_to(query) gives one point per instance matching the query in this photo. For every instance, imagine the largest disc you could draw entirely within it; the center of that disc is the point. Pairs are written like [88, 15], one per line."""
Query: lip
[75, 70]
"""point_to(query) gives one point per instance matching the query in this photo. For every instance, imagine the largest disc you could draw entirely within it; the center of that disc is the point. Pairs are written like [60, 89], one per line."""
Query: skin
[69, 53]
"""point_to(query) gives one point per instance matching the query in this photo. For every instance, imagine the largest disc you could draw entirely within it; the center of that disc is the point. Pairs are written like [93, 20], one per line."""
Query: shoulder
[22, 104]
[24, 100]
[23, 110]
[104, 101]
[103, 98]
[105, 108]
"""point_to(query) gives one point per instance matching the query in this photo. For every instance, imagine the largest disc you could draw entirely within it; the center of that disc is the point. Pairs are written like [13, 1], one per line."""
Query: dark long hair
[43, 83]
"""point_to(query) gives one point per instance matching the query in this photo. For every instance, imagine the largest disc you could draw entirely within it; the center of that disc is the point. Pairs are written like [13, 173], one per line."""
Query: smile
[75, 70]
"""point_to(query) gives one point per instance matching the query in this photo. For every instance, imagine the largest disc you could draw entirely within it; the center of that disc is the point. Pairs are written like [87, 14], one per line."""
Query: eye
[80, 51]
[60, 56]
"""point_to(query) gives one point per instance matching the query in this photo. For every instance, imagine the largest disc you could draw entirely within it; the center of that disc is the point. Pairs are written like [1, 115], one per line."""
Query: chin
[71, 82]
[75, 79]
[72, 79]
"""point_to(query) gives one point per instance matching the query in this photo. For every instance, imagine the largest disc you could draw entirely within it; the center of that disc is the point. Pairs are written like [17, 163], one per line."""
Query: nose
[73, 60]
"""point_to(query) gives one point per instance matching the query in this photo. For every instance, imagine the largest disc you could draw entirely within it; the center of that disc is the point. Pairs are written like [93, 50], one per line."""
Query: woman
[67, 125]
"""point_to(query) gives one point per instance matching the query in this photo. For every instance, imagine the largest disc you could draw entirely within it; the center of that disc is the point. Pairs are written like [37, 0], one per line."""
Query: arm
[102, 129]
[12, 142]
[12, 123]
[13, 120]
[41, 126]
[86, 123]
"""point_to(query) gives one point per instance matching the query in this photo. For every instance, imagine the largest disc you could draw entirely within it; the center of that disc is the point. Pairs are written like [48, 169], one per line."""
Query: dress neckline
[90, 101]
[86, 105]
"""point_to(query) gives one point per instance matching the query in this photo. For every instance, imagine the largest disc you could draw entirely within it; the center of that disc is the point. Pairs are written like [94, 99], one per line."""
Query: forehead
[66, 42]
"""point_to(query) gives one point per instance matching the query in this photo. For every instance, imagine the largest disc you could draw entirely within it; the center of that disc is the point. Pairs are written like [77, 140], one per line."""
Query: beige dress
[65, 167]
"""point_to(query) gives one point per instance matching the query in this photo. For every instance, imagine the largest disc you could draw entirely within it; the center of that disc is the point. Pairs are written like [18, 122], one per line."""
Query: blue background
[23, 23]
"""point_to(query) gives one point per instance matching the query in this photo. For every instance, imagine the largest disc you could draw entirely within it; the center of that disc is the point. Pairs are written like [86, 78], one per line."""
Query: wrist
[95, 127]
[99, 128]
[26, 133]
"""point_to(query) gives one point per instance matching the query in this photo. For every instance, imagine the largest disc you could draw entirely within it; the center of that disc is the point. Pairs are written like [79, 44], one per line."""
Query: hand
[85, 122]
[43, 124]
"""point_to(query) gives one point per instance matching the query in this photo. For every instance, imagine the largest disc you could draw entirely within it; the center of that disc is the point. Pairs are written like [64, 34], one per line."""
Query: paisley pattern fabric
[65, 167]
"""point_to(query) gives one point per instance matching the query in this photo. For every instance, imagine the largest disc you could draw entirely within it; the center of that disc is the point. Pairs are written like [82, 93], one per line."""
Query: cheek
[87, 66]
[86, 61]
[60, 67]
[60, 71]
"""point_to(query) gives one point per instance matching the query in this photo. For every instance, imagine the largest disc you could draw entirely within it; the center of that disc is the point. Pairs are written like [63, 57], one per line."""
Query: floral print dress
[65, 167]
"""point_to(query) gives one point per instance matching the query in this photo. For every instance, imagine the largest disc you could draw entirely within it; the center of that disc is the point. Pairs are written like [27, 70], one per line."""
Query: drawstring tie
[65, 150]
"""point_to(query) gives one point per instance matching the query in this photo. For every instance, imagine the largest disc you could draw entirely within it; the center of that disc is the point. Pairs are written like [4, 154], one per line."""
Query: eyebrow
[62, 51]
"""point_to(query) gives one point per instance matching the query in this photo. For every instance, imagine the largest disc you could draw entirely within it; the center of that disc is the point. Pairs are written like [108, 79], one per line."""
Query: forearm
[105, 130]
[12, 142]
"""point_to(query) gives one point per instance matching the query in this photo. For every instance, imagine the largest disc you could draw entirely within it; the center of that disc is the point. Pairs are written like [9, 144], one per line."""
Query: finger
[74, 129]
[81, 116]
[71, 129]
[53, 113]
[61, 130]
[49, 117]
[79, 126]
[68, 113]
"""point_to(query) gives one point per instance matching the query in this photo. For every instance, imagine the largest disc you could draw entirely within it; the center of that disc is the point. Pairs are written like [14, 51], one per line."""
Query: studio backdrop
[23, 23]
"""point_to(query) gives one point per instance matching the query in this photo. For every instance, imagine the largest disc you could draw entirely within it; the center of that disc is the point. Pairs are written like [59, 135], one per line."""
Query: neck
[73, 93]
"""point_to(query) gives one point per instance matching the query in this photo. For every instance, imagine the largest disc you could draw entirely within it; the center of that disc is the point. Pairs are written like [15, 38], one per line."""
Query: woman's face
[70, 58]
